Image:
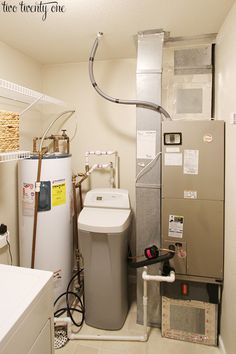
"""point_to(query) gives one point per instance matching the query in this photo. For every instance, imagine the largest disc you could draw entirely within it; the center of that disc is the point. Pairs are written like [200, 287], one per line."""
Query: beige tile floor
[155, 344]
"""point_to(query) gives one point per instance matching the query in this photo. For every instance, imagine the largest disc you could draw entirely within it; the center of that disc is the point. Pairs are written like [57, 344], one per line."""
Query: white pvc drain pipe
[137, 338]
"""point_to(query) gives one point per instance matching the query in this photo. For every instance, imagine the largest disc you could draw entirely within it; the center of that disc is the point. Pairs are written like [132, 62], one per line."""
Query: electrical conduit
[138, 103]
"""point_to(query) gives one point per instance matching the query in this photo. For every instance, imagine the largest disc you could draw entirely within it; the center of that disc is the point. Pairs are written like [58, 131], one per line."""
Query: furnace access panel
[193, 197]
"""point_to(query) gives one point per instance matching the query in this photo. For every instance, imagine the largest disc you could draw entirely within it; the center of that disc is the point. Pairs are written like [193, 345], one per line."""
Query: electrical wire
[167, 250]
[159, 249]
[69, 309]
[148, 165]
[9, 248]
[161, 258]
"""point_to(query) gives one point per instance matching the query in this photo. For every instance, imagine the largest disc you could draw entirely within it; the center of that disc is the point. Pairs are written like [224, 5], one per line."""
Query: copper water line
[79, 185]
[75, 234]
[55, 139]
[80, 197]
[36, 210]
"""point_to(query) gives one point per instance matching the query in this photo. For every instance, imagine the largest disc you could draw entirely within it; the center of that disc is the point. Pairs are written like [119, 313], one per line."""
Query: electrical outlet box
[233, 118]
[3, 240]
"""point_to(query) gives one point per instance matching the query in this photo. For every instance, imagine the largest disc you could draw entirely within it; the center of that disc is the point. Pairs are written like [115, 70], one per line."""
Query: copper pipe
[35, 144]
[65, 137]
[80, 196]
[55, 141]
[36, 212]
[82, 180]
[56, 144]
[68, 145]
[79, 185]
[75, 233]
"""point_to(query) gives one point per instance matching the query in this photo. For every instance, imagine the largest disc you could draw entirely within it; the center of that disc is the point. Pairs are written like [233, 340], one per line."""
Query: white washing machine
[104, 226]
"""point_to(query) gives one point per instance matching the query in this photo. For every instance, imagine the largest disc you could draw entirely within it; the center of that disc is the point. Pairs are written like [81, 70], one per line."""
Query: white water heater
[54, 228]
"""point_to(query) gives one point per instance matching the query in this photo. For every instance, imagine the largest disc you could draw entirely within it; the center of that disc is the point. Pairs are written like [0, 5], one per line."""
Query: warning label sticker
[58, 192]
[28, 194]
[190, 194]
[176, 226]
[191, 159]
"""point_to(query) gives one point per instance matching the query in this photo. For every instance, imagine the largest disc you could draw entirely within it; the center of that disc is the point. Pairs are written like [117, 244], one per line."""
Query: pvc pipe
[160, 278]
[67, 321]
[108, 337]
[146, 277]
[87, 153]
[117, 184]
[145, 309]
[114, 181]
[62, 320]
[98, 166]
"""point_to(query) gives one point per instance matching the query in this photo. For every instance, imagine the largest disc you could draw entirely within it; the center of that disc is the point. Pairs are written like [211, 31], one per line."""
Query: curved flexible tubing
[75, 233]
[75, 130]
[52, 123]
[143, 170]
[138, 103]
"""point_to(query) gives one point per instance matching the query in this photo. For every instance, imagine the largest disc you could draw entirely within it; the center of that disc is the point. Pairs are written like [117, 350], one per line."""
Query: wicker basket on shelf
[9, 131]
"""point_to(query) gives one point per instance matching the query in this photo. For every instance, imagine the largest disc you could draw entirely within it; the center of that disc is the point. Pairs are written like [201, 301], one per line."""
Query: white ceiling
[68, 37]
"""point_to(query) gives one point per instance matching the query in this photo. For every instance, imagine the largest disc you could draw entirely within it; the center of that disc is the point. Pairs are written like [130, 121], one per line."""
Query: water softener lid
[103, 220]
[113, 198]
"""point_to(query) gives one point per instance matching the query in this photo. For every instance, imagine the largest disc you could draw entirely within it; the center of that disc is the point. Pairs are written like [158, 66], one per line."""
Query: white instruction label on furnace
[146, 144]
[176, 226]
[173, 159]
[190, 194]
[191, 158]
[28, 199]
[172, 149]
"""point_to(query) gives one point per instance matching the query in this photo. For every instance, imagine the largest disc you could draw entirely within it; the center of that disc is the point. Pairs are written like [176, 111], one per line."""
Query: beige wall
[102, 125]
[22, 70]
[225, 105]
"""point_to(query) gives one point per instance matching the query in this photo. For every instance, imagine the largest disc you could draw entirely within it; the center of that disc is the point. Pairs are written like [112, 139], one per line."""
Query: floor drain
[60, 338]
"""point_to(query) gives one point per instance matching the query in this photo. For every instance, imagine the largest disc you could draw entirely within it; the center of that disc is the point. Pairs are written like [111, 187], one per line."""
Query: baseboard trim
[221, 346]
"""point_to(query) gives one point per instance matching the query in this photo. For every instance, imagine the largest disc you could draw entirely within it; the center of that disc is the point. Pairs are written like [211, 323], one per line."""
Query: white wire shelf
[14, 155]
[23, 94]
[15, 92]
